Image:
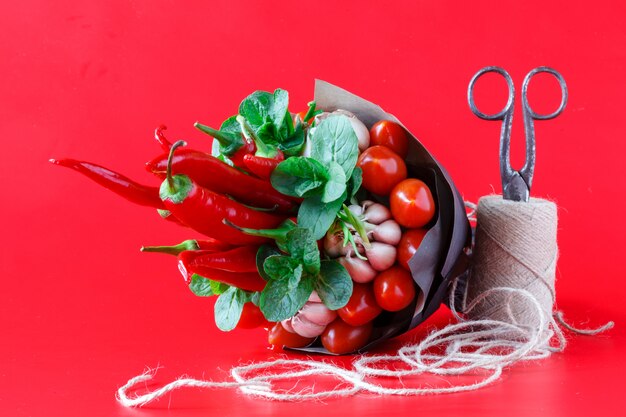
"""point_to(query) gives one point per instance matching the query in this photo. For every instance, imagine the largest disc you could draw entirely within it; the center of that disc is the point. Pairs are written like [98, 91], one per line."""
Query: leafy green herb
[216, 151]
[279, 267]
[295, 142]
[201, 286]
[268, 115]
[333, 285]
[318, 216]
[300, 177]
[334, 144]
[354, 184]
[218, 287]
[303, 247]
[281, 299]
[264, 252]
[228, 308]
[290, 277]
[255, 298]
[334, 140]
[336, 185]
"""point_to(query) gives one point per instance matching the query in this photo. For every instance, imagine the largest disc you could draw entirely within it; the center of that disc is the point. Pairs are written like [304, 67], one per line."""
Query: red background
[82, 310]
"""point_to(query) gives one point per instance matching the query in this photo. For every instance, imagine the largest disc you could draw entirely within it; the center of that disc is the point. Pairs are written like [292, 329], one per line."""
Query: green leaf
[318, 216]
[336, 185]
[201, 286]
[279, 266]
[293, 145]
[255, 298]
[333, 284]
[299, 176]
[354, 184]
[334, 140]
[279, 302]
[228, 308]
[231, 126]
[218, 287]
[217, 152]
[268, 115]
[280, 116]
[302, 247]
[264, 252]
[256, 108]
[294, 280]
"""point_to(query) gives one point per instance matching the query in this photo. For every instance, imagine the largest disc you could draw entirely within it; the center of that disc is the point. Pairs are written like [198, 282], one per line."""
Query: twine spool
[515, 247]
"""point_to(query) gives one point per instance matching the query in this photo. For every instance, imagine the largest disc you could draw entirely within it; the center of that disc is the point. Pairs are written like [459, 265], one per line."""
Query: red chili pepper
[262, 167]
[204, 210]
[137, 193]
[161, 139]
[249, 281]
[238, 157]
[207, 245]
[166, 215]
[217, 176]
[239, 259]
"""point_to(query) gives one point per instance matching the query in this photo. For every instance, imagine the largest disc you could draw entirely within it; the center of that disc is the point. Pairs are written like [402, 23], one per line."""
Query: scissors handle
[530, 116]
[559, 78]
[508, 107]
[513, 185]
[516, 184]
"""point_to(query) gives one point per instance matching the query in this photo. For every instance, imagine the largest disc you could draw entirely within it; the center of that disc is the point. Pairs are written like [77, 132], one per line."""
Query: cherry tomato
[361, 307]
[278, 336]
[412, 203]
[382, 169]
[394, 289]
[251, 317]
[409, 243]
[392, 135]
[340, 338]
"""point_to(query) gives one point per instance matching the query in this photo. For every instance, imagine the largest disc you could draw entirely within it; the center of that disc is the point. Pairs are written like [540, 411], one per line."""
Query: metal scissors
[516, 184]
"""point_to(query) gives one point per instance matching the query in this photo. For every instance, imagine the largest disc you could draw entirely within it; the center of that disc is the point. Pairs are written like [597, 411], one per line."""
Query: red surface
[82, 310]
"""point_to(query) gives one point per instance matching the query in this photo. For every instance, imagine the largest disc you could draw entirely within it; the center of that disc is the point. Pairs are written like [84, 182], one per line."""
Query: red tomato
[278, 336]
[340, 338]
[409, 243]
[361, 307]
[392, 135]
[382, 169]
[251, 317]
[394, 289]
[412, 203]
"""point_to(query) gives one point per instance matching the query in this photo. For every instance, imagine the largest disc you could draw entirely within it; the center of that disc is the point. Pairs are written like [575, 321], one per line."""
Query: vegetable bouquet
[333, 227]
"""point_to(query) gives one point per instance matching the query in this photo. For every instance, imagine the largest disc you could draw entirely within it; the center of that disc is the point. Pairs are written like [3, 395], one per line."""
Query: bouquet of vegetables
[333, 227]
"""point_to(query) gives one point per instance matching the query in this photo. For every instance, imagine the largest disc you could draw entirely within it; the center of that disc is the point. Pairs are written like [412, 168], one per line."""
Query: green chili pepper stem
[262, 149]
[170, 180]
[218, 135]
[279, 233]
[173, 249]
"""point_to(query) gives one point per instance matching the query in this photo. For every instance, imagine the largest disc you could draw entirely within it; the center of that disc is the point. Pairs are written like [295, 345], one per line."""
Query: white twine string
[482, 348]
[471, 209]
[479, 348]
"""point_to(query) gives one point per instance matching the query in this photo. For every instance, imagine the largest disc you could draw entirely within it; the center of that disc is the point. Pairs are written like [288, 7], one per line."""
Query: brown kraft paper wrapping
[441, 257]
